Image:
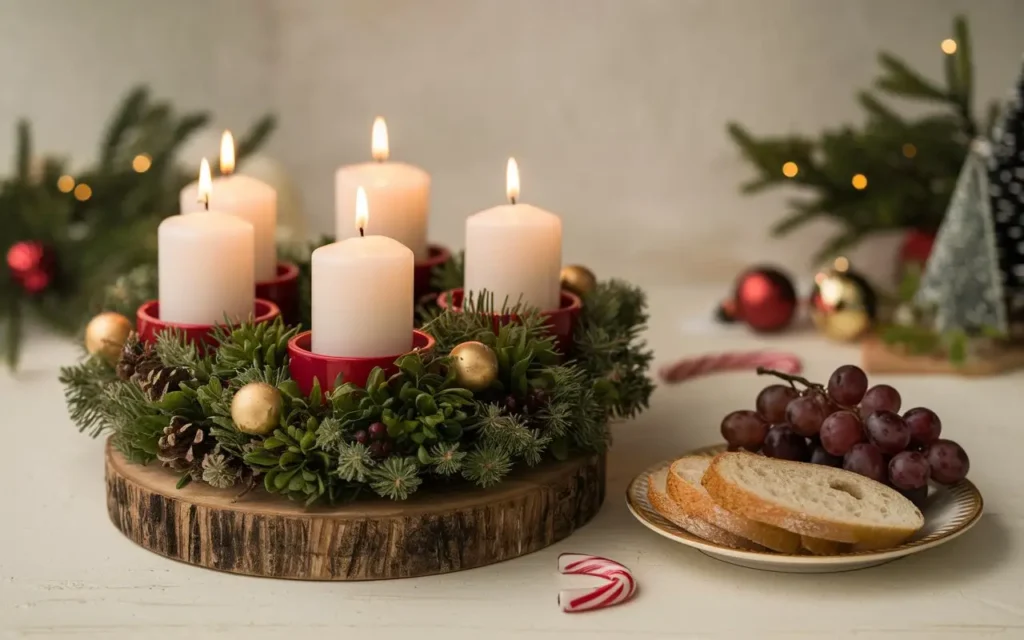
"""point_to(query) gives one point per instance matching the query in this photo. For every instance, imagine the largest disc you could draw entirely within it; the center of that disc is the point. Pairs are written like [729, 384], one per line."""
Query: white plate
[948, 513]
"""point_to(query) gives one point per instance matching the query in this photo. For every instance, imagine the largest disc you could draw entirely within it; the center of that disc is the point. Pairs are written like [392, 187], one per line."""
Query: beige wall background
[615, 109]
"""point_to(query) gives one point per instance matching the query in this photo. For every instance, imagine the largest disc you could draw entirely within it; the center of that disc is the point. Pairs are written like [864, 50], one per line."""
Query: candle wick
[512, 200]
[206, 203]
[361, 234]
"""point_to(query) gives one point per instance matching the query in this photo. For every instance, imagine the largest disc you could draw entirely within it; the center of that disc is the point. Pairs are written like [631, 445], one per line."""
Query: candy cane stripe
[619, 585]
[730, 361]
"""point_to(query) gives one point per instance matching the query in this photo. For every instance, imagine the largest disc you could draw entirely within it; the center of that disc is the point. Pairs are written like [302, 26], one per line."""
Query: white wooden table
[65, 572]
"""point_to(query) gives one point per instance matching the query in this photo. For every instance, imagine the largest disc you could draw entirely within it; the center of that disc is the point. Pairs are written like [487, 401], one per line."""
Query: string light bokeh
[83, 192]
[141, 163]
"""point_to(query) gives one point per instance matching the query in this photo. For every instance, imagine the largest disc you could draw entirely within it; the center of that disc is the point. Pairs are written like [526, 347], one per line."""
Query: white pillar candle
[362, 294]
[398, 194]
[514, 251]
[205, 268]
[247, 198]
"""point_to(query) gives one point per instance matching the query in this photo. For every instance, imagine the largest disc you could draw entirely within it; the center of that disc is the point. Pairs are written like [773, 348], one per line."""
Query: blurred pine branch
[911, 165]
[98, 238]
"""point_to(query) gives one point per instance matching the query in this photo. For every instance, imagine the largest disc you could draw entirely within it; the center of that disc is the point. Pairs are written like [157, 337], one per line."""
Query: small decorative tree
[973, 283]
[962, 282]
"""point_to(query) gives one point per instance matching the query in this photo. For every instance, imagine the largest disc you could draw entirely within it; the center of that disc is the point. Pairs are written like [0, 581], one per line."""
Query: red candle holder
[283, 290]
[306, 366]
[149, 325]
[424, 269]
[562, 320]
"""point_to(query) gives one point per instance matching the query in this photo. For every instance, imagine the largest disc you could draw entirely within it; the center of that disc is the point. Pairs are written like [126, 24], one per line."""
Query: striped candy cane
[619, 585]
[733, 361]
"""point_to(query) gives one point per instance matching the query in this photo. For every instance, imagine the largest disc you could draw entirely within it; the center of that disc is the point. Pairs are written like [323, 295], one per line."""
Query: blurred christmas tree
[962, 285]
[65, 238]
[892, 173]
[973, 284]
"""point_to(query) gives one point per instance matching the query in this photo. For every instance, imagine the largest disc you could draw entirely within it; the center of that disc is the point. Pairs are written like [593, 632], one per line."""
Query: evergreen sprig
[84, 387]
[396, 478]
[446, 459]
[610, 346]
[486, 465]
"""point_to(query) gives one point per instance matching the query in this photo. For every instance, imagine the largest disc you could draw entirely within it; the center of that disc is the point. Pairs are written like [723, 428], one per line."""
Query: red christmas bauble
[31, 265]
[765, 299]
[916, 246]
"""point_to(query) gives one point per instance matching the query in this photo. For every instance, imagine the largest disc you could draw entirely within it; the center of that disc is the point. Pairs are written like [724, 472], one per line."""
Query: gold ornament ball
[578, 279]
[475, 364]
[256, 408]
[843, 305]
[105, 335]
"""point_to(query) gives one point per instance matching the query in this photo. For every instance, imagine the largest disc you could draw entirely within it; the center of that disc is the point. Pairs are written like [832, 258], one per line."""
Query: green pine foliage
[542, 406]
[911, 163]
[610, 347]
[107, 237]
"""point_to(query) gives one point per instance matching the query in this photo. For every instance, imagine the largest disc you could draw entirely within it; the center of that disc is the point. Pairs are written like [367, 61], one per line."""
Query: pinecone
[136, 357]
[183, 445]
[159, 380]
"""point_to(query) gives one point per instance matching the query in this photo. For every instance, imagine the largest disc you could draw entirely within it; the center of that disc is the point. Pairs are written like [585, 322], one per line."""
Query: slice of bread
[685, 488]
[820, 547]
[812, 500]
[658, 495]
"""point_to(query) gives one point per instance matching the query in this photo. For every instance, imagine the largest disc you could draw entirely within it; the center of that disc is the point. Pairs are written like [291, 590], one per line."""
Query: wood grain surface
[433, 532]
[878, 357]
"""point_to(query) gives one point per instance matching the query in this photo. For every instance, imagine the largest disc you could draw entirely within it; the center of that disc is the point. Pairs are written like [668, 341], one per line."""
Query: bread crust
[739, 500]
[699, 504]
[664, 505]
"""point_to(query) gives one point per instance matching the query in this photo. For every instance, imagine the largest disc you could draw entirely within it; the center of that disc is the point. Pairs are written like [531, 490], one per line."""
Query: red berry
[361, 437]
[378, 431]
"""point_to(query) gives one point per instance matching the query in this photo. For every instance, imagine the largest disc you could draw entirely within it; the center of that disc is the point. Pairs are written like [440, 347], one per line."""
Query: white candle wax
[205, 268]
[362, 297]
[398, 195]
[251, 200]
[515, 252]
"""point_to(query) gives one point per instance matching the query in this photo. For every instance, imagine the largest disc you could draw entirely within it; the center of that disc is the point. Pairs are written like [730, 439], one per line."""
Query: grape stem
[790, 378]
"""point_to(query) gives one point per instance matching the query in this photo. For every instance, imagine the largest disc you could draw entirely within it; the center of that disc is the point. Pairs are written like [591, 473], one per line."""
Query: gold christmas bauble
[843, 304]
[475, 364]
[105, 335]
[578, 279]
[256, 408]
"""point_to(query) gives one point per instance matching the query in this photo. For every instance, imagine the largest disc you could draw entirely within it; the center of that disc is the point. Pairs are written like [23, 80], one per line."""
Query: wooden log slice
[878, 357]
[433, 532]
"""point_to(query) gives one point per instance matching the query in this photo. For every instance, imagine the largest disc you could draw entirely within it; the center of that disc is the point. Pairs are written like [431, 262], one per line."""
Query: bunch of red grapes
[845, 424]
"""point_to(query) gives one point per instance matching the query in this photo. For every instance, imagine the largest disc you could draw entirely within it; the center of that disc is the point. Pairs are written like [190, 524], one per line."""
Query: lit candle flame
[362, 210]
[512, 180]
[205, 183]
[227, 153]
[379, 140]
